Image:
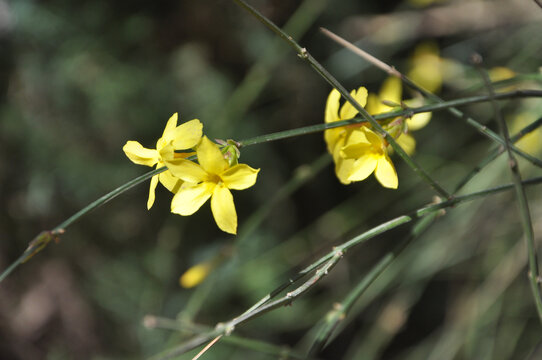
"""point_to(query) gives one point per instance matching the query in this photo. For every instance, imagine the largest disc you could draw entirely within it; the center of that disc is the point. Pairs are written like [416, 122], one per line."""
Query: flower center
[215, 178]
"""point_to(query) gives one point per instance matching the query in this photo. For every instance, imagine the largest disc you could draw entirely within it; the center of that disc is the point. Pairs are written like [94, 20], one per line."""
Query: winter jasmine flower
[213, 178]
[182, 137]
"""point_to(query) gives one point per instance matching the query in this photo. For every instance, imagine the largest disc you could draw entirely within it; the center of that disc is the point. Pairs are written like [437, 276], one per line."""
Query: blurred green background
[79, 79]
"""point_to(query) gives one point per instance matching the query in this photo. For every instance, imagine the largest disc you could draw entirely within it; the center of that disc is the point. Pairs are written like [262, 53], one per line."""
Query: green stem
[259, 74]
[522, 199]
[505, 83]
[157, 322]
[311, 129]
[13, 266]
[44, 238]
[335, 316]
[304, 54]
[109, 196]
[496, 152]
[227, 328]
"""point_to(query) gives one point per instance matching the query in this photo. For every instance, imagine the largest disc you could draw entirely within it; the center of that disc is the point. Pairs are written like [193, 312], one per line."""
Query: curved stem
[521, 197]
[311, 129]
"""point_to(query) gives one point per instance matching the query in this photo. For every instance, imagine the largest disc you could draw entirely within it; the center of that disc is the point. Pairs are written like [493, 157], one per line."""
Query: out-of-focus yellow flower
[335, 138]
[417, 121]
[196, 274]
[426, 67]
[499, 73]
[212, 178]
[182, 137]
[369, 152]
[532, 142]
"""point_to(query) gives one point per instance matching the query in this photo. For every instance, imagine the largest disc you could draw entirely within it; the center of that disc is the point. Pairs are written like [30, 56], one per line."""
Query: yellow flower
[212, 178]
[500, 73]
[426, 67]
[335, 138]
[369, 152]
[195, 275]
[530, 143]
[175, 137]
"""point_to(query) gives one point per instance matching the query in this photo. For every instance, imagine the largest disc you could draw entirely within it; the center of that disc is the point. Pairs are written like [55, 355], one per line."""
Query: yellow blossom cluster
[213, 175]
[357, 150]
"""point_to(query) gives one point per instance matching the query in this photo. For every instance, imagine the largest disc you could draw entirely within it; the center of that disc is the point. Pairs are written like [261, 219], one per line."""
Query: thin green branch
[453, 110]
[229, 327]
[311, 129]
[156, 322]
[521, 196]
[260, 72]
[109, 196]
[536, 77]
[324, 264]
[496, 152]
[304, 54]
[335, 316]
[44, 238]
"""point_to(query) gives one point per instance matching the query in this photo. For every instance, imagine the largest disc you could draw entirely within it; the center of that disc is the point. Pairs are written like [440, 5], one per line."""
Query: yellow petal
[356, 136]
[166, 151]
[140, 155]
[426, 67]
[239, 177]
[375, 105]
[188, 135]
[385, 173]
[501, 73]
[224, 209]
[373, 138]
[332, 106]
[348, 111]
[152, 188]
[363, 167]
[531, 142]
[418, 121]
[332, 136]
[191, 197]
[356, 151]
[343, 169]
[210, 157]
[391, 90]
[169, 131]
[187, 170]
[407, 143]
[169, 181]
[195, 275]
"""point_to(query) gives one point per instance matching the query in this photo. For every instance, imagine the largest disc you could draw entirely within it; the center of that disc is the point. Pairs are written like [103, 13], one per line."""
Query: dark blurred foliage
[80, 78]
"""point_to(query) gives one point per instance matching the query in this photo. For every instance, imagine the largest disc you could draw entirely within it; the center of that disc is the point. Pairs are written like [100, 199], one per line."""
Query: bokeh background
[79, 79]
